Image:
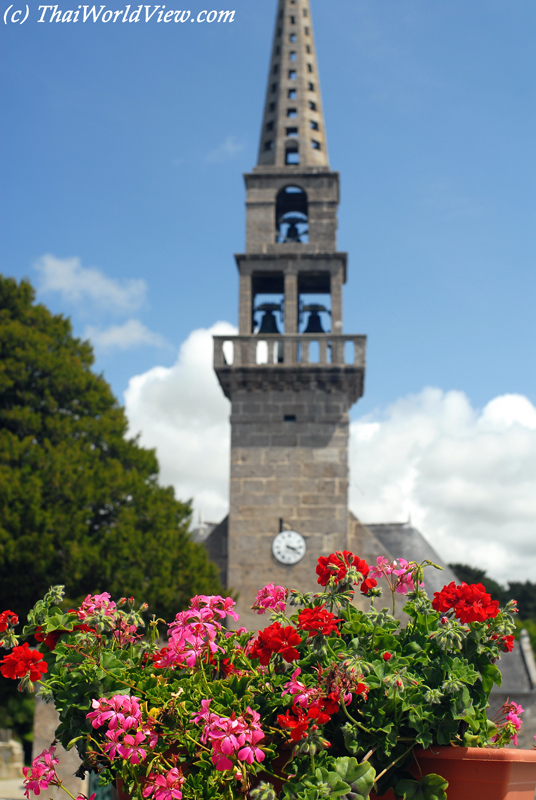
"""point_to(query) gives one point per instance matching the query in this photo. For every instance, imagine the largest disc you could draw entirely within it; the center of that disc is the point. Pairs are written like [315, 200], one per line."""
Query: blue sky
[123, 147]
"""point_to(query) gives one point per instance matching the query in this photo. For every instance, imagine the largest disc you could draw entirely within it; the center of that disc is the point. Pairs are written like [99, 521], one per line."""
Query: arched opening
[291, 215]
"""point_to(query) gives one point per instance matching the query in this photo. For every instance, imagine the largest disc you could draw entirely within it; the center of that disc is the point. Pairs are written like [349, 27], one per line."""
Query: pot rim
[476, 753]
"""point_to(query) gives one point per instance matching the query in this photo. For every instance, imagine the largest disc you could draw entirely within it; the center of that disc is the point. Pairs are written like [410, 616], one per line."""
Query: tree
[79, 501]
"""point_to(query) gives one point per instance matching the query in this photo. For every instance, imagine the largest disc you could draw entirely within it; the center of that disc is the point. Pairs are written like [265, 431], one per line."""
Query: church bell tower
[291, 374]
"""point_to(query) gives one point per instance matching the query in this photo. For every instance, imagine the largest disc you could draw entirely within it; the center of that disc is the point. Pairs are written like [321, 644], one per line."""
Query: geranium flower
[300, 692]
[165, 787]
[276, 639]
[298, 724]
[318, 621]
[8, 620]
[23, 661]
[270, 597]
[367, 585]
[471, 603]
[42, 772]
[97, 604]
[120, 711]
[50, 639]
[130, 749]
[334, 566]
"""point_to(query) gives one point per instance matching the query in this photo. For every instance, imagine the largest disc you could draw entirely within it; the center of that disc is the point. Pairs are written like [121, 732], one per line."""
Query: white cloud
[130, 334]
[182, 411]
[77, 284]
[467, 477]
[226, 151]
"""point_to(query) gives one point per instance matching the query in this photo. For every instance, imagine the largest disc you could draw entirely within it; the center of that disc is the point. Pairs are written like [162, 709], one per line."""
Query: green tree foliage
[524, 593]
[79, 501]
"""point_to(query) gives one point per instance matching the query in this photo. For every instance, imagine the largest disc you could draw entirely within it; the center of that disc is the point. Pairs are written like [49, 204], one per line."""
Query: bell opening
[291, 216]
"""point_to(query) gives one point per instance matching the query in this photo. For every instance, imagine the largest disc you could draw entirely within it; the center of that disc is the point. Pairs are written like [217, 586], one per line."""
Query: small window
[292, 155]
[292, 94]
[270, 126]
[275, 69]
[305, 12]
[290, 418]
[293, 20]
[309, 67]
[277, 50]
[293, 55]
[312, 105]
[281, 14]
[311, 87]
[292, 131]
[274, 87]
[279, 31]
[315, 145]
[269, 145]
[292, 112]
[313, 124]
[307, 48]
[292, 37]
[272, 106]
[306, 30]
[292, 74]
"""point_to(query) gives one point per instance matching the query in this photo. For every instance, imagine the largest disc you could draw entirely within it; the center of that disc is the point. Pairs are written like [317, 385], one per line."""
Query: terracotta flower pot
[476, 773]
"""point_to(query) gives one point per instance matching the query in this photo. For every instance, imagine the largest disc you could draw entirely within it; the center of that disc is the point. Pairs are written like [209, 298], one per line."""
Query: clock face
[288, 547]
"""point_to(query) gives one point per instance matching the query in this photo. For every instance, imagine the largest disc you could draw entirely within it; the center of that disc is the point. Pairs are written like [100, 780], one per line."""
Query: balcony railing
[290, 350]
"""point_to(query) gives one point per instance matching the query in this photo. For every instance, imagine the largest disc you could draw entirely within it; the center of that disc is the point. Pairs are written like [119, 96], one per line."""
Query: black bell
[314, 324]
[268, 323]
[293, 234]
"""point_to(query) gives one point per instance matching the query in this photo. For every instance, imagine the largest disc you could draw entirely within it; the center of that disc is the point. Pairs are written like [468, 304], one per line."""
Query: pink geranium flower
[270, 597]
[42, 773]
[165, 787]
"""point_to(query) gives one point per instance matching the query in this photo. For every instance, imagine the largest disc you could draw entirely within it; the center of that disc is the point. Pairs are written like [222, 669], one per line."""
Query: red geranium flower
[368, 584]
[470, 602]
[8, 618]
[317, 620]
[335, 565]
[51, 639]
[276, 639]
[446, 598]
[284, 641]
[362, 567]
[22, 661]
[298, 724]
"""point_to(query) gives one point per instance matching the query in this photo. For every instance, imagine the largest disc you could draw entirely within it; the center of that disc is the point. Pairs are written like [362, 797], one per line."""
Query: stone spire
[293, 130]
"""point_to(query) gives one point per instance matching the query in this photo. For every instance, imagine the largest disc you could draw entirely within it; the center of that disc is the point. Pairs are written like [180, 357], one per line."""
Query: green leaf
[360, 776]
[431, 787]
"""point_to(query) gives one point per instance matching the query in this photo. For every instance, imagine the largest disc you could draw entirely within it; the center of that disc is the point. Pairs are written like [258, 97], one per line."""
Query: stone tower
[291, 374]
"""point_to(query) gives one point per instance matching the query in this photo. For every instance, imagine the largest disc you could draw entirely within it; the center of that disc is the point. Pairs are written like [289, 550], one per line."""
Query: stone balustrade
[290, 350]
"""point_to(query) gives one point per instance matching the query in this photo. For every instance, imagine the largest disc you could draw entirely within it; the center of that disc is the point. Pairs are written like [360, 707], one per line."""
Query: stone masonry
[290, 389]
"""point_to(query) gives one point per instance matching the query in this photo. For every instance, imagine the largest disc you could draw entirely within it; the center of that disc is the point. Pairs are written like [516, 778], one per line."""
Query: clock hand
[289, 547]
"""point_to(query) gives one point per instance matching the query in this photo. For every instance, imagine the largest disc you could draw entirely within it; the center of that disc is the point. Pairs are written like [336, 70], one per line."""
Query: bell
[293, 234]
[314, 324]
[268, 323]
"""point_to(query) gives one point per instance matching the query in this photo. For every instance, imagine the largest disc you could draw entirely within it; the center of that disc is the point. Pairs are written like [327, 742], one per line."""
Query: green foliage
[331, 701]
[430, 787]
[79, 501]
